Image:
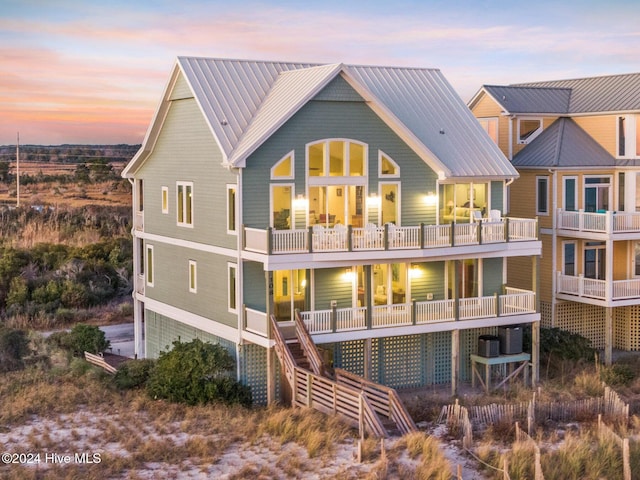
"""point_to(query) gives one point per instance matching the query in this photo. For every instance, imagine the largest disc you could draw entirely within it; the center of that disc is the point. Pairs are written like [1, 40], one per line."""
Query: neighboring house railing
[341, 238]
[599, 222]
[597, 289]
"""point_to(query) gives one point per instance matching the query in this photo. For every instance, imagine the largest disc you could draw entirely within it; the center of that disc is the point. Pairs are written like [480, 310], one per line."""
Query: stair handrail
[285, 354]
[385, 400]
[315, 360]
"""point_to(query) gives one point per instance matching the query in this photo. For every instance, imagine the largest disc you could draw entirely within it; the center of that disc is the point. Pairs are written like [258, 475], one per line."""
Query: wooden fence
[523, 437]
[606, 433]
[99, 361]
[456, 416]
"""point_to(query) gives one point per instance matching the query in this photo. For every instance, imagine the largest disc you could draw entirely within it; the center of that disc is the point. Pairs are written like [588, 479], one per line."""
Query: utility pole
[18, 171]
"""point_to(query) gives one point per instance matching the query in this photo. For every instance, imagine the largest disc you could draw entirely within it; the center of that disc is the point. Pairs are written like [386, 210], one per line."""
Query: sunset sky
[82, 71]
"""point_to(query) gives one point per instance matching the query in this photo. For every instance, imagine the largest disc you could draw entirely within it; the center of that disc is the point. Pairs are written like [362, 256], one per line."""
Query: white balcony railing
[389, 237]
[597, 289]
[599, 222]
[514, 302]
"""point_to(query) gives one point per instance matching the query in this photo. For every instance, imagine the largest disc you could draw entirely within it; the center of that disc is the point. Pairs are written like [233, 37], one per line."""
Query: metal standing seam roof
[243, 101]
[612, 93]
[563, 144]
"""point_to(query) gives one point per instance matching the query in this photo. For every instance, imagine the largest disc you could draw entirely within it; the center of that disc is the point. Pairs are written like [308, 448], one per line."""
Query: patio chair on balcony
[396, 235]
[495, 216]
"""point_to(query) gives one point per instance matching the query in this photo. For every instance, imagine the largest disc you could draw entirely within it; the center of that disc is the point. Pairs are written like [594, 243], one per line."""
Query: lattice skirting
[590, 320]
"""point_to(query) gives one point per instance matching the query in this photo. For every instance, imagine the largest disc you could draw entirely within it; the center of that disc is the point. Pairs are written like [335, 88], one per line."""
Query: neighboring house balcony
[616, 293]
[599, 225]
[516, 306]
[341, 238]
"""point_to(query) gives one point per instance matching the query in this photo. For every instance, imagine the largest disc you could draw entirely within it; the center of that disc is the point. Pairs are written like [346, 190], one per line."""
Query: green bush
[133, 373]
[197, 373]
[86, 338]
[14, 346]
[618, 374]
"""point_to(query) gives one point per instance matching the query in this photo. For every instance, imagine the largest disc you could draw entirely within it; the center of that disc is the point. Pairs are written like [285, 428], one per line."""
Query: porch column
[138, 329]
[271, 360]
[608, 336]
[535, 327]
[455, 361]
[368, 286]
[367, 358]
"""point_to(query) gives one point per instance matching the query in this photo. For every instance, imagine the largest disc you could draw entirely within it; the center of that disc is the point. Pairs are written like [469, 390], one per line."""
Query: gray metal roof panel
[426, 104]
[531, 100]
[563, 144]
[612, 93]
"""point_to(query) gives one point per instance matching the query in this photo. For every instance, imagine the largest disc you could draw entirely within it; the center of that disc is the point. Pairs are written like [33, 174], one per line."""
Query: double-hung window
[184, 207]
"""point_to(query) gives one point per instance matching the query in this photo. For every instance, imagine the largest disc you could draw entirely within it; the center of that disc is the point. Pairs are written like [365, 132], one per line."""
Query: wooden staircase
[366, 405]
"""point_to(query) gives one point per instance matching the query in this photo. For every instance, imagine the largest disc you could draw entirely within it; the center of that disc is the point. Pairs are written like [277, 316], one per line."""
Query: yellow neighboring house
[576, 145]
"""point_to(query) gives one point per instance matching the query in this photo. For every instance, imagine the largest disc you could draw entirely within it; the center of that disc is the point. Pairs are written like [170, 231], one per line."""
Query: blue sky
[93, 72]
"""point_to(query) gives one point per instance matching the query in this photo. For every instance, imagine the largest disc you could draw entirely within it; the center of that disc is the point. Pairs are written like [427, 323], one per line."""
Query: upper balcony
[342, 238]
[600, 225]
[615, 293]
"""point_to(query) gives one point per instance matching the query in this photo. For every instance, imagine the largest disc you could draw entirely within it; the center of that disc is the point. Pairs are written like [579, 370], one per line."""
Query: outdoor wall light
[430, 199]
[300, 202]
[373, 200]
[348, 275]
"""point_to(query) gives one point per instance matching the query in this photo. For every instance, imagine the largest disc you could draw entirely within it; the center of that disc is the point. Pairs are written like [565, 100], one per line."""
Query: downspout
[554, 247]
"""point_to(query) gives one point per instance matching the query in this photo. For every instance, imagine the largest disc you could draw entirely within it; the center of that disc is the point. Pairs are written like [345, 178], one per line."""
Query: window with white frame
[193, 276]
[636, 259]
[628, 133]
[569, 258]
[184, 204]
[149, 262]
[542, 195]
[528, 129]
[283, 169]
[231, 209]
[490, 125]
[165, 199]
[386, 166]
[232, 282]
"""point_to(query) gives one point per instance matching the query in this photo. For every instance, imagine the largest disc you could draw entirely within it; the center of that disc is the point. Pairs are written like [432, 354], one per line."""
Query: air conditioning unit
[488, 346]
[510, 340]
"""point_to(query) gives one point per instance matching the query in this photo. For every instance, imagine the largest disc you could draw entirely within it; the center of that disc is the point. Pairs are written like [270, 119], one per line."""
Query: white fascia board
[398, 127]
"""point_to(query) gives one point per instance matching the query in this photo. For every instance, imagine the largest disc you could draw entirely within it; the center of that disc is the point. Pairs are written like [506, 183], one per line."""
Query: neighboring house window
[193, 276]
[570, 194]
[569, 258]
[386, 166]
[184, 191]
[542, 195]
[528, 129]
[231, 209]
[165, 199]
[490, 125]
[594, 260]
[150, 265]
[628, 136]
[233, 287]
[636, 259]
[283, 169]
[596, 194]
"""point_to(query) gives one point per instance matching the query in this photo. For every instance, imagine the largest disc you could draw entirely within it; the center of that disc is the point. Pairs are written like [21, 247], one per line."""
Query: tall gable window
[149, 262]
[336, 182]
[283, 169]
[528, 129]
[386, 166]
[628, 136]
[165, 199]
[490, 125]
[184, 207]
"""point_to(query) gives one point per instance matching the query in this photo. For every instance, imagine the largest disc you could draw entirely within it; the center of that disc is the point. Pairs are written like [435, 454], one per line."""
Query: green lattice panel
[437, 347]
[253, 371]
[349, 356]
[400, 361]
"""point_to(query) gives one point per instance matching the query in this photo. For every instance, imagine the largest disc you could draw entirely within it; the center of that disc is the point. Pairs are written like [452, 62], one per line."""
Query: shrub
[133, 373]
[618, 374]
[86, 338]
[196, 373]
[14, 346]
